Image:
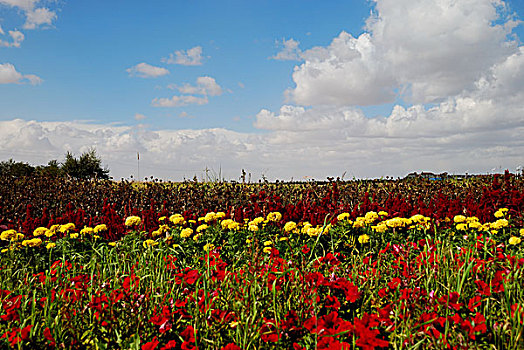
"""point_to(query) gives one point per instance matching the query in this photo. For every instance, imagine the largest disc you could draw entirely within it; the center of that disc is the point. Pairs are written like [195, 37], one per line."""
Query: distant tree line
[87, 166]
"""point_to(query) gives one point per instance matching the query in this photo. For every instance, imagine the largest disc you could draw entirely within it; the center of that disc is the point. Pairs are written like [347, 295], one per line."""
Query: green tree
[16, 169]
[87, 166]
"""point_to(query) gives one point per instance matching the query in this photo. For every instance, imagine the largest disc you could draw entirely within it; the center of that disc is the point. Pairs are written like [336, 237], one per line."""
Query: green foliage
[87, 166]
[15, 169]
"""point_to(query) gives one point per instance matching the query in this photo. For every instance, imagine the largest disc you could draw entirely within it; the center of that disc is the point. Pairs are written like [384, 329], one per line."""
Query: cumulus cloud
[35, 16]
[290, 51]
[421, 51]
[16, 39]
[9, 75]
[144, 70]
[204, 86]
[139, 116]
[179, 101]
[191, 57]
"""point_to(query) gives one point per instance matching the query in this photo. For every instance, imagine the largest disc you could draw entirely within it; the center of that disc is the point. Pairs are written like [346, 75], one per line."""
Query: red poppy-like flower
[231, 346]
[150, 345]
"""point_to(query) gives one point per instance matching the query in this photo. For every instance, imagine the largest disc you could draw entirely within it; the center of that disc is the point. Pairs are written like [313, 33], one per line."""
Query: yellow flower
[156, 233]
[233, 225]
[18, 237]
[383, 213]
[133, 221]
[87, 230]
[202, 228]
[248, 241]
[220, 215]
[363, 239]
[514, 240]
[67, 227]
[499, 214]
[196, 237]
[268, 243]
[521, 231]
[176, 245]
[274, 216]
[342, 216]
[459, 218]
[283, 239]
[253, 228]
[475, 225]
[186, 232]
[209, 247]
[96, 237]
[462, 227]
[162, 218]
[192, 221]
[500, 223]
[5, 250]
[418, 219]
[359, 222]
[256, 221]
[267, 249]
[149, 243]
[54, 227]
[74, 235]
[50, 245]
[35, 242]
[370, 217]
[395, 222]
[39, 231]
[100, 228]
[313, 231]
[49, 233]
[112, 244]
[380, 228]
[290, 226]
[177, 219]
[8, 235]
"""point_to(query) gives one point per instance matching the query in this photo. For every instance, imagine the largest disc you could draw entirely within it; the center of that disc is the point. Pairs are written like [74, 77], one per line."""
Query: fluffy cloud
[191, 57]
[421, 51]
[9, 75]
[35, 16]
[204, 86]
[139, 116]
[144, 70]
[290, 51]
[16, 36]
[179, 101]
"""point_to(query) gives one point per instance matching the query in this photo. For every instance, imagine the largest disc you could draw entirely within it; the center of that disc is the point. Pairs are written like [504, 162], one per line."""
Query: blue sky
[283, 89]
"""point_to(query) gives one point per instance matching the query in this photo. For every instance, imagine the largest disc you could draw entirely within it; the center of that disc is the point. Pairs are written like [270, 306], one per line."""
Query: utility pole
[138, 165]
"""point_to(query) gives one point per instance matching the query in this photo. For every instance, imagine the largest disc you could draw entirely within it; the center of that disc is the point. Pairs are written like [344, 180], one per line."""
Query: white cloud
[422, 51]
[9, 75]
[139, 116]
[16, 36]
[179, 101]
[191, 57]
[35, 16]
[204, 86]
[144, 70]
[289, 52]
[39, 16]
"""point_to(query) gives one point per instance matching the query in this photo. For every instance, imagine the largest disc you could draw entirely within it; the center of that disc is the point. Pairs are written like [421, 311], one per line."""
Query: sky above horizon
[282, 89]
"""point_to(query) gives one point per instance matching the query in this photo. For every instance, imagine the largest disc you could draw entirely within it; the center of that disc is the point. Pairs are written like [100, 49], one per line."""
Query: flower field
[338, 265]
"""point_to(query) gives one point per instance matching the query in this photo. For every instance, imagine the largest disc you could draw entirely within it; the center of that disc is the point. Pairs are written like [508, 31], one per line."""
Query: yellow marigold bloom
[39, 231]
[67, 227]
[112, 244]
[274, 216]
[471, 219]
[514, 240]
[74, 235]
[96, 237]
[500, 223]
[342, 216]
[100, 228]
[363, 239]
[49, 233]
[248, 241]
[313, 231]
[18, 237]
[156, 233]
[35, 242]
[149, 243]
[133, 221]
[201, 228]
[197, 237]
[459, 219]
[177, 219]
[418, 218]
[283, 239]
[87, 231]
[395, 222]
[462, 227]
[50, 245]
[5, 250]
[380, 228]
[233, 225]
[253, 228]
[383, 213]
[209, 247]
[499, 214]
[54, 227]
[192, 221]
[220, 215]
[290, 226]
[370, 217]
[186, 232]
[305, 227]
[256, 221]
[359, 222]
[267, 243]
[521, 231]
[8, 235]
[475, 225]
[267, 249]
[494, 232]
[176, 245]
[162, 218]
[225, 223]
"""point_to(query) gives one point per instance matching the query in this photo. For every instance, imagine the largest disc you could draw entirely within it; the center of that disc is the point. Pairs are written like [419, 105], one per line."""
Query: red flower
[150, 345]
[231, 346]
[483, 288]
[170, 345]
[49, 337]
